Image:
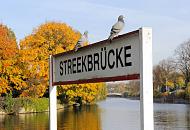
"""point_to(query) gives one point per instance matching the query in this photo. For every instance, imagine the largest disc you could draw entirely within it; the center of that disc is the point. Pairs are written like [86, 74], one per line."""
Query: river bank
[126, 115]
[14, 106]
[22, 110]
[171, 100]
[39, 105]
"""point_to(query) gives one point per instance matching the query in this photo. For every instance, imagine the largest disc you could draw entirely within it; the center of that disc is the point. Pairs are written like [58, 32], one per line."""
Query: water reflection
[37, 121]
[85, 118]
[111, 114]
[172, 117]
[120, 114]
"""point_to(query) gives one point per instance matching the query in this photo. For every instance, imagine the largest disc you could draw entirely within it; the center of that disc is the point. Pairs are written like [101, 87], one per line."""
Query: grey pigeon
[81, 41]
[116, 28]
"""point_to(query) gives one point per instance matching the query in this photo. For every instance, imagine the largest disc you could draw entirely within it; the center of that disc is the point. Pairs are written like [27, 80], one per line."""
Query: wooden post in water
[146, 80]
[52, 98]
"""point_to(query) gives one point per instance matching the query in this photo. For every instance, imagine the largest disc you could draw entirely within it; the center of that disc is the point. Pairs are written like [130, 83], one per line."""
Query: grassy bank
[9, 105]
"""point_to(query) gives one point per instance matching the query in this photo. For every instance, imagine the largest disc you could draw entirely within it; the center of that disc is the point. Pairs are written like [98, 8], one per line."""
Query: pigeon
[116, 28]
[82, 41]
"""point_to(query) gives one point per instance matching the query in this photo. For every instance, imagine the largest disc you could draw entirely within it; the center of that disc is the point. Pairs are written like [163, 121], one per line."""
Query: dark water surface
[111, 114]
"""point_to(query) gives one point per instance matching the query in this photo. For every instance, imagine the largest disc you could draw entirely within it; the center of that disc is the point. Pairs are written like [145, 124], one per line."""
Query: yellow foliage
[10, 72]
[180, 82]
[26, 70]
[3, 85]
[88, 92]
[170, 84]
[48, 38]
[8, 47]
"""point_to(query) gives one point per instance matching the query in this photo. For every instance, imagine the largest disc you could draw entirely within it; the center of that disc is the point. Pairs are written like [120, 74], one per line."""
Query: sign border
[100, 42]
[103, 79]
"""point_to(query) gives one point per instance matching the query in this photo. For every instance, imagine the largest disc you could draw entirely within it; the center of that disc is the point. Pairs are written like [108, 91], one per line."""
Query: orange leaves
[51, 37]
[8, 46]
[3, 85]
[89, 92]
[48, 38]
[9, 73]
[26, 70]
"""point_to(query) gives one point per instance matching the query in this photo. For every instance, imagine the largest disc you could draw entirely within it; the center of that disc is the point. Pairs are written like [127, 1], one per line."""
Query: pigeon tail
[111, 38]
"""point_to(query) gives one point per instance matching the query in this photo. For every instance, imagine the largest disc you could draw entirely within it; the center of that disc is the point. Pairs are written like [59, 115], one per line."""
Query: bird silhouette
[116, 28]
[81, 41]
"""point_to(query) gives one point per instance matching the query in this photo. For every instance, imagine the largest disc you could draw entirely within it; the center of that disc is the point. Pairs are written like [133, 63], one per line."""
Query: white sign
[129, 56]
[102, 61]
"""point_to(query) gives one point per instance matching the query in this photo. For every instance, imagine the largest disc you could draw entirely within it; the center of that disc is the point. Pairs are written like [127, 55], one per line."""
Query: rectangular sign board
[128, 57]
[100, 62]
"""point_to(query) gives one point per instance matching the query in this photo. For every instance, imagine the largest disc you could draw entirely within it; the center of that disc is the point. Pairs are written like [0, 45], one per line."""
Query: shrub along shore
[22, 105]
[9, 105]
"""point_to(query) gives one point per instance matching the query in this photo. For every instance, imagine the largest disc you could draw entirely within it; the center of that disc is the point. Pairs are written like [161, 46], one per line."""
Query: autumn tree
[51, 38]
[89, 93]
[10, 73]
[183, 60]
[48, 38]
[134, 88]
[164, 74]
[8, 46]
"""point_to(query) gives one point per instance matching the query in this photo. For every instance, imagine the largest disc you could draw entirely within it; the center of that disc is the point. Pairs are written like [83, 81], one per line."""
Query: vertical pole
[52, 98]
[146, 80]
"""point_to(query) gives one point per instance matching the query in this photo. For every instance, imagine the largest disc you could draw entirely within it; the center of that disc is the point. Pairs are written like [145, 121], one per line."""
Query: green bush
[40, 104]
[13, 105]
[35, 104]
[26, 103]
[9, 103]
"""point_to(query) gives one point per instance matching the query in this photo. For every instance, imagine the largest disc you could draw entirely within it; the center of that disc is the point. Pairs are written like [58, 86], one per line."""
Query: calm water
[111, 114]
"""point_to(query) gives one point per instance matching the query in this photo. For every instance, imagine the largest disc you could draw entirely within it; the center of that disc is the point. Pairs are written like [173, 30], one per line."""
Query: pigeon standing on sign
[82, 41]
[116, 28]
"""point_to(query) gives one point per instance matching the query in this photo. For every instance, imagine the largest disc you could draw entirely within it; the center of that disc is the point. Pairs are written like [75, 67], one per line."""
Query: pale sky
[169, 19]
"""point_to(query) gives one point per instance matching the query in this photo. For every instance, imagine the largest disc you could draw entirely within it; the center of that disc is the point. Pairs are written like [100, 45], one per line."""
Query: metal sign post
[146, 80]
[52, 98]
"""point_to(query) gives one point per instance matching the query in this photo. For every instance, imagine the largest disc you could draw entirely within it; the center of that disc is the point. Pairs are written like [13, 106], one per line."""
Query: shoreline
[161, 100]
[165, 100]
[31, 111]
